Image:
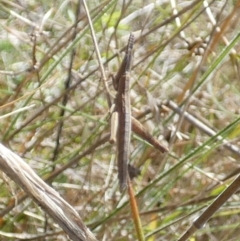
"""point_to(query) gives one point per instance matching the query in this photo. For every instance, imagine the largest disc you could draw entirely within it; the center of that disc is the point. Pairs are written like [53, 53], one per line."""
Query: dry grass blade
[98, 54]
[22, 196]
[216, 204]
[67, 218]
[197, 123]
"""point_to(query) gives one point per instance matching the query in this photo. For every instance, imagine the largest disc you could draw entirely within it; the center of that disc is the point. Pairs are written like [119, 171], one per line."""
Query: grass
[55, 115]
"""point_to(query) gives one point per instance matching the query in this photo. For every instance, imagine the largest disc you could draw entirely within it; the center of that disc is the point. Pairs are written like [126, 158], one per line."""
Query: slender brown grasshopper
[122, 122]
[122, 115]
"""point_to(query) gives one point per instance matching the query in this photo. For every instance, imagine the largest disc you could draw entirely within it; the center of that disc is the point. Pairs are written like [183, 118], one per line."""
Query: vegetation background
[55, 115]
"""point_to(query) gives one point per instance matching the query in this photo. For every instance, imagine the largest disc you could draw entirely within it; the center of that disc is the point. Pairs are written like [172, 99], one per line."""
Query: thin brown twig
[67, 85]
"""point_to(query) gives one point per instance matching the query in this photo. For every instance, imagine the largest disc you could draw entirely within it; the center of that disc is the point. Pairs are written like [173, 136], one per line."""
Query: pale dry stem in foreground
[20, 172]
